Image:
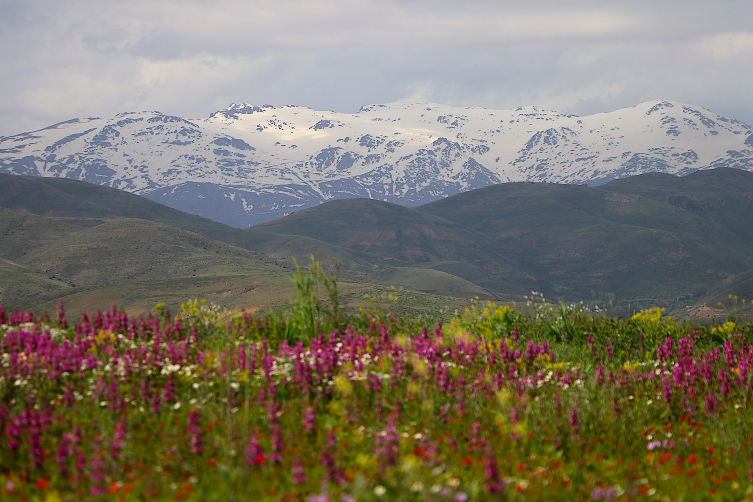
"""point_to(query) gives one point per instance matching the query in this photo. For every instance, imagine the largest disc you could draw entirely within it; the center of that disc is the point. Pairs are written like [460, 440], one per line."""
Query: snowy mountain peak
[250, 163]
[235, 109]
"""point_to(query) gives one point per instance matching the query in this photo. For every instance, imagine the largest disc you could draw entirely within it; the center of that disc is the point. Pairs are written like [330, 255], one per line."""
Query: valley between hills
[634, 243]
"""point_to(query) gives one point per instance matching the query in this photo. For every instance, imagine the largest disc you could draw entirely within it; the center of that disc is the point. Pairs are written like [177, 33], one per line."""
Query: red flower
[259, 459]
[42, 483]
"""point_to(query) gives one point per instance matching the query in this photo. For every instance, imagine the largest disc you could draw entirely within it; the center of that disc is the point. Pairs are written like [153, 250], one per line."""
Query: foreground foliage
[560, 404]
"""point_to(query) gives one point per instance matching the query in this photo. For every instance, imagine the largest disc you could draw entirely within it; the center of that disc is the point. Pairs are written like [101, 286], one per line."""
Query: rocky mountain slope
[249, 164]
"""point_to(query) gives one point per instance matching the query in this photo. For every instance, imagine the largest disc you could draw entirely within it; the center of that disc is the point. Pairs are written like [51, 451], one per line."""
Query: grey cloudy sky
[65, 59]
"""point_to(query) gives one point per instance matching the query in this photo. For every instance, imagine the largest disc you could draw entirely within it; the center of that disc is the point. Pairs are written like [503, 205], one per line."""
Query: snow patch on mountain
[248, 163]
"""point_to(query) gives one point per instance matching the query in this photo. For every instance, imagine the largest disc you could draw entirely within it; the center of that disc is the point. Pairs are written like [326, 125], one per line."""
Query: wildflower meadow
[323, 404]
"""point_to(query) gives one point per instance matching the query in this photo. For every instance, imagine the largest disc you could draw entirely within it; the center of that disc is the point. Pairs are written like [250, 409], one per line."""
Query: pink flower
[254, 452]
[309, 419]
[574, 425]
[493, 483]
[299, 473]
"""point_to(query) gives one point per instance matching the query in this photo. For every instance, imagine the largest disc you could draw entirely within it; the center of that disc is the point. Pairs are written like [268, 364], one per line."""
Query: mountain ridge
[248, 164]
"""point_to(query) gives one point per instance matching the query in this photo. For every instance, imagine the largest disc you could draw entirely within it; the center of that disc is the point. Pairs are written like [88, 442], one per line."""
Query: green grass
[426, 280]
[24, 285]
[21, 232]
[139, 249]
[65, 198]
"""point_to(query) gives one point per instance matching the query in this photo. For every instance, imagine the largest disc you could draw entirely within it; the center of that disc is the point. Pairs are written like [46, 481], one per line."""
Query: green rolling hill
[650, 236]
[96, 246]
[138, 249]
[640, 241]
[406, 238]
[85, 205]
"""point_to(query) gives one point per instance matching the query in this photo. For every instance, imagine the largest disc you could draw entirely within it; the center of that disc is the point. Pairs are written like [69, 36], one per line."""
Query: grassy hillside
[427, 279]
[381, 228]
[734, 296]
[138, 249]
[136, 264]
[648, 236]
[86, 205]
[640, 241]
[21, 232]
[406, 236]
[23, 285]
[128, 261]
[635, 242]
[283, 248]
[238, 291]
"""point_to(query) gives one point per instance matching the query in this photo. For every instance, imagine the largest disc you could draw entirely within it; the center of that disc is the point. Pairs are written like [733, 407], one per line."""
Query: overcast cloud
[66, 59]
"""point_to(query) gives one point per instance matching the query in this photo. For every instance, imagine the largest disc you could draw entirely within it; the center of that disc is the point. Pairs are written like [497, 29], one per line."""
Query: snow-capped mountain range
[247, 164]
